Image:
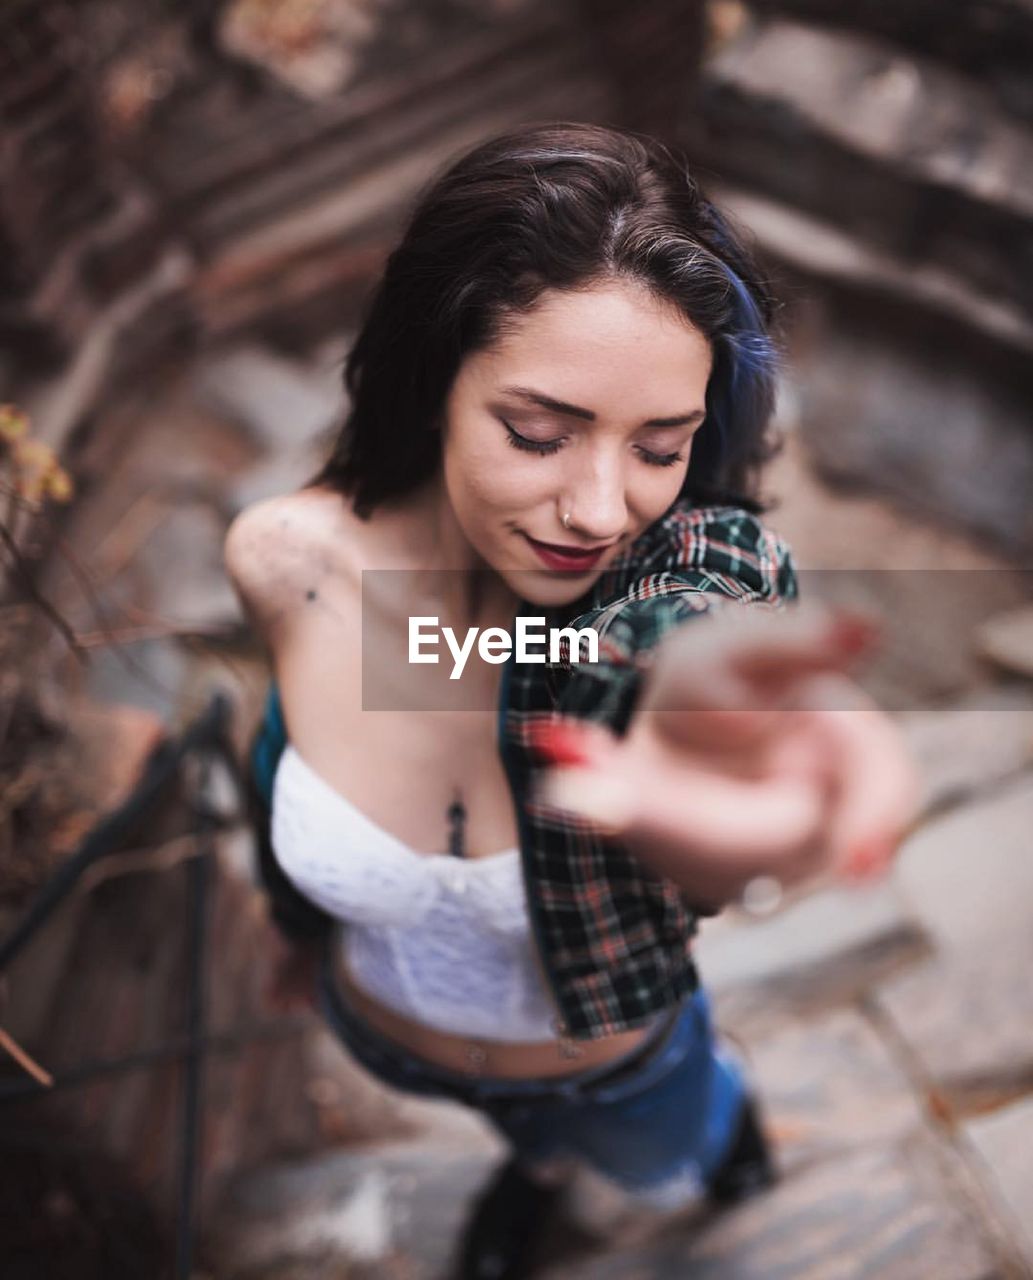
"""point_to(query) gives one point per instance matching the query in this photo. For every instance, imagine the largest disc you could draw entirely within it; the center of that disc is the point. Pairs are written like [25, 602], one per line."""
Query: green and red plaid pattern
[615, 938]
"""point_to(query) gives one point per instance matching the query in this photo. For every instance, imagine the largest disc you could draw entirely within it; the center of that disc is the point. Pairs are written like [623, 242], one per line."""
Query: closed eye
[530, 446]
[551, 446]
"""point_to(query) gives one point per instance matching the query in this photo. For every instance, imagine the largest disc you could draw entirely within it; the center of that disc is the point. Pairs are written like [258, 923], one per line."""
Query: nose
[596, 498]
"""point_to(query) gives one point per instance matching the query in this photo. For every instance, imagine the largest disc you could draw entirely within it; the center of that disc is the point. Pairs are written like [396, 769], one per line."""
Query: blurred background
[195, 198]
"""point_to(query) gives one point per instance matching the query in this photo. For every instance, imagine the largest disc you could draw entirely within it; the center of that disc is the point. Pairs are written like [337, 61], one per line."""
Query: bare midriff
[507, 1059]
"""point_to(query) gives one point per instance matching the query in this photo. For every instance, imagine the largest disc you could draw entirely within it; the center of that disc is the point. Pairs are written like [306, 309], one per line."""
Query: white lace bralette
[443, 940]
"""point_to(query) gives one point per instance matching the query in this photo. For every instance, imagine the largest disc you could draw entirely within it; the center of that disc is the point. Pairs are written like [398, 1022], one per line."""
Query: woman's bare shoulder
[278, 551]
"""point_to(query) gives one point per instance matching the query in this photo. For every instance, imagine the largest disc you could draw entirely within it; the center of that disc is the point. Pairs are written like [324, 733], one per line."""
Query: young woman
[559, 404]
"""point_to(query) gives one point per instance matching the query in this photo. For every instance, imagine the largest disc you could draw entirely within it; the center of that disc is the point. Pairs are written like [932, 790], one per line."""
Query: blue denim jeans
[657, 1124]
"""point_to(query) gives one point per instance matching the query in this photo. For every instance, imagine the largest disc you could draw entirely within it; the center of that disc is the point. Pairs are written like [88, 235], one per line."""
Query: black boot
[509, 1217]
[748, 1167]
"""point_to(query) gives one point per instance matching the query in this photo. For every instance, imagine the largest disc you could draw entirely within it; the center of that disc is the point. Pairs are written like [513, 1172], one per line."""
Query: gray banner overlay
[437, 640]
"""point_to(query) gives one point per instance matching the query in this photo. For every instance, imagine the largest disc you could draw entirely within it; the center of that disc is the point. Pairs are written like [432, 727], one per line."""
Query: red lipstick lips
[558, 557]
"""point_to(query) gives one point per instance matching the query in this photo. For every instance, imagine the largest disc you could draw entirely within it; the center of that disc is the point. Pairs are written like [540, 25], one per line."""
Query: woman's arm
[260, 547]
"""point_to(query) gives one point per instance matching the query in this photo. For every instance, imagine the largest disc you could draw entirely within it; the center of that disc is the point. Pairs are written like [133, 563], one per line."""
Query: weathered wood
[55, 172]
[202, 149]
[413, 124]
[651, 55]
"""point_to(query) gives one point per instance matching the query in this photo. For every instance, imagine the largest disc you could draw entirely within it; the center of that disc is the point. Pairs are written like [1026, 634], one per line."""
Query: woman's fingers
[669, 807]
[812, 640]
[706, 659]
[878, 791]
[739, 822]
[832, 786]
[716, 684]
[711, 837]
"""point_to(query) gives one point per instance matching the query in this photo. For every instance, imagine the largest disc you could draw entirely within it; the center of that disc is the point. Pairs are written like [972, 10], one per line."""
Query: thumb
[603, 797]
[745, 825]
[588, 779]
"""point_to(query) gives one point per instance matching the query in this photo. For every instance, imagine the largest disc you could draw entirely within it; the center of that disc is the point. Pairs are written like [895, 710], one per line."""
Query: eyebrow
[575, 411]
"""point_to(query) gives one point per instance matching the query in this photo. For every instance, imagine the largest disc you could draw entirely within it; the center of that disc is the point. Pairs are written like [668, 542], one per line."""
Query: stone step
[878, 1213]
[1003, 1143]
[908, 382]
[903, 155]
[967, 1013]
[991, 40]
[967, 751]
[397, 1211]
[387, 1210]
[826, 252]
[1007, 640]
[281, 403]
[823, 947]
[837, 1105]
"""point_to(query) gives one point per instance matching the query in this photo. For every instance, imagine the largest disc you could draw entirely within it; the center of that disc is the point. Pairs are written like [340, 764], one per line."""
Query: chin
[540, 587]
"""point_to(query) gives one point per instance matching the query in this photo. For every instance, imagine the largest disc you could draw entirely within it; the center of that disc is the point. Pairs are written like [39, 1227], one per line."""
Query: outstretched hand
[751, 753]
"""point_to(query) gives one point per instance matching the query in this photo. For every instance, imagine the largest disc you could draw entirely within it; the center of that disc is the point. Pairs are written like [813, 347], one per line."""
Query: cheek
[498, 480]
[483, 486]
[653, 489]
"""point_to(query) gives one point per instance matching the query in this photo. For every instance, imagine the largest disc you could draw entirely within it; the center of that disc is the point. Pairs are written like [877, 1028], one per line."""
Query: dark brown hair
[552, 206]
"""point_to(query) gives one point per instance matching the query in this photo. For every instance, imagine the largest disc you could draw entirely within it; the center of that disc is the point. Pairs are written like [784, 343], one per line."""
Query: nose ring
[566, 520]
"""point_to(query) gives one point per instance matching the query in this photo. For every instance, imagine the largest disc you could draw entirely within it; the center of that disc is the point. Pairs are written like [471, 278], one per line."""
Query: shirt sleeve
[631, 627]
[754, 570]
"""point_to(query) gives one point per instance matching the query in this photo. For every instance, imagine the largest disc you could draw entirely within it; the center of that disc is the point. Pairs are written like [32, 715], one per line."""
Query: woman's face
[588, 405]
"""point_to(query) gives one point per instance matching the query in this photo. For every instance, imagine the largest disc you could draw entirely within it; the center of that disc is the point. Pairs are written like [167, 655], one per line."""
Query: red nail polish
[870, 858]
[560, 743]
[853, 633]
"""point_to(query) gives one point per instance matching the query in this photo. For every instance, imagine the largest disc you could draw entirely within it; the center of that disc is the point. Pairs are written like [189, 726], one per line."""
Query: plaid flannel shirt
[614, 938]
